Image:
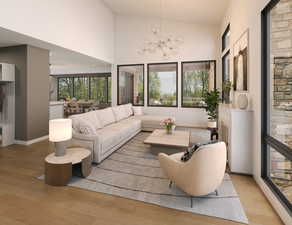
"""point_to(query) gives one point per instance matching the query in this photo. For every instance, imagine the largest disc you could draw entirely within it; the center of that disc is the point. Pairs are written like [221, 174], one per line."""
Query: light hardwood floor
[27, 200]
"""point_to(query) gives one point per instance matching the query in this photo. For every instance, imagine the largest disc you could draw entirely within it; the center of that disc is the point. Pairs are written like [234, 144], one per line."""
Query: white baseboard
[30, 142]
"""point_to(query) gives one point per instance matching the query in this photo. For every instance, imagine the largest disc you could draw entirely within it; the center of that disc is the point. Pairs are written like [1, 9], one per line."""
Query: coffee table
[160, 141]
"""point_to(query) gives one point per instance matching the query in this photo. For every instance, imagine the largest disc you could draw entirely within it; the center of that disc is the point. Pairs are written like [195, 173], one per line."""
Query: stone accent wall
[281, 84]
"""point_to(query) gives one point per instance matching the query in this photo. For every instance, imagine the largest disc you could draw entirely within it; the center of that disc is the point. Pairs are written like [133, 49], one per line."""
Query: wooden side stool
[58, 169]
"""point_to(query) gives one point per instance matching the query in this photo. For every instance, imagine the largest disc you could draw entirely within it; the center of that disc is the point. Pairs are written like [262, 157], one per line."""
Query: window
[225, 70]
[131, 84]
[65, 87]
[81, 88]
[277, 102]
[162, 84]
[197, 78]
[96, 87]
[226, 38]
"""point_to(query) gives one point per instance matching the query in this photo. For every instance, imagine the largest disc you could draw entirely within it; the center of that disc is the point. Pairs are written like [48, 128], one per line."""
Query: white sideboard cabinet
[235, 129]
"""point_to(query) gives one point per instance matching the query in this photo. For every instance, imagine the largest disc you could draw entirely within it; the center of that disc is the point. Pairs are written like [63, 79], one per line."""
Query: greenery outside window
[197, 78]
[162, 84]
[96, 87]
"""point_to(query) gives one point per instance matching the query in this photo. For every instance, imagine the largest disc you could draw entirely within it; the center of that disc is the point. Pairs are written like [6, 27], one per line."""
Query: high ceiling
[58, 56]
[190, 11]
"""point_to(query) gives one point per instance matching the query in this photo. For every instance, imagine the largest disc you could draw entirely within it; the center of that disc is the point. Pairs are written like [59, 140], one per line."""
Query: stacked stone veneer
[281, 65]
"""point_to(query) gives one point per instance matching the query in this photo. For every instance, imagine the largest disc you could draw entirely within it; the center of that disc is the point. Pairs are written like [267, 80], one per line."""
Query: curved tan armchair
[200, 175]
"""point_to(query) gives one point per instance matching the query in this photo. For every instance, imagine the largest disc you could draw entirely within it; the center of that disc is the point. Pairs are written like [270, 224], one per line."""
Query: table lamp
[60, 131]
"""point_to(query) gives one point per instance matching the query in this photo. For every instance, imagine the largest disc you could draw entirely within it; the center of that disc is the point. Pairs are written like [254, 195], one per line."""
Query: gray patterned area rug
[133, 172]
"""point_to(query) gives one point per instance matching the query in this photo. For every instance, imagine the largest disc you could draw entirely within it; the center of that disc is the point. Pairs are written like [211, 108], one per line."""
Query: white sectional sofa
[104, 131]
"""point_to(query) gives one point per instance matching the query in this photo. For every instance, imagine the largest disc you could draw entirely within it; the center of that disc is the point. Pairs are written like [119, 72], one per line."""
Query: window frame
[182, 77]
[266, 139]
[223, 37]
[165, 63]
[118, 82]
[78, 75]
[223, 71]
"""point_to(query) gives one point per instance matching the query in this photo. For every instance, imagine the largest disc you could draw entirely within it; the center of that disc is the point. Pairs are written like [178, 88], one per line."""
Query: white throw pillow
[138, 110]
[90, 117]
[106, 116]
[119, 112]
[86, 127]
[128, 109]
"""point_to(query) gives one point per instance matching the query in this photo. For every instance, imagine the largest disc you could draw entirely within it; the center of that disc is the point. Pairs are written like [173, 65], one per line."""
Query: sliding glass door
[277, 100]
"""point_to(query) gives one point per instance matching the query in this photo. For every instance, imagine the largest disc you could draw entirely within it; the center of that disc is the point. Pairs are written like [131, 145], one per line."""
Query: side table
[58, 169]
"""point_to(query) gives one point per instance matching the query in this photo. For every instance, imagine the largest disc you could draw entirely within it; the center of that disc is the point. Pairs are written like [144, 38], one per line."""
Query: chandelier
[166, 45]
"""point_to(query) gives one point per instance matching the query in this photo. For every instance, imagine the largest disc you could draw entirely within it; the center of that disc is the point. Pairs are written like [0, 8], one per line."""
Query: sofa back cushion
[90, 117]
[106, 116]
[128, 109]
[138, 110]
[119, 112]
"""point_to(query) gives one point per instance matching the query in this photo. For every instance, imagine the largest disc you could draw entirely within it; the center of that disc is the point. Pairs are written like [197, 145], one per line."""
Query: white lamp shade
[60, 130]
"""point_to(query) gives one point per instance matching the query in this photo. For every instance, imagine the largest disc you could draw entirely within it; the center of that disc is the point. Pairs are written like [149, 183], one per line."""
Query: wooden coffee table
[160, 141]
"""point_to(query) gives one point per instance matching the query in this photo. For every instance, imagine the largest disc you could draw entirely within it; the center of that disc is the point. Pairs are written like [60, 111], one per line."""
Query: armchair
[202, 174]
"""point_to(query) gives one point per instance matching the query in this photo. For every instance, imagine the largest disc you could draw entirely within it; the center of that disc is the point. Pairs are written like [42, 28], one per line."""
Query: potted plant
[212, 99]
[227, 86]
[169, 124]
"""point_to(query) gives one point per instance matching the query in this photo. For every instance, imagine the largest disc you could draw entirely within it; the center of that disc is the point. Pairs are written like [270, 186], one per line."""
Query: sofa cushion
[119, 112]
[106, 116]
[108, 138]
[115, 133]
[128, 109]
[86, 127]
[89, 116]
[138, 110]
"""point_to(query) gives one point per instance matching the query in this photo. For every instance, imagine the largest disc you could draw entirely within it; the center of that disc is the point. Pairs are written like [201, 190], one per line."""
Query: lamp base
[60, 148]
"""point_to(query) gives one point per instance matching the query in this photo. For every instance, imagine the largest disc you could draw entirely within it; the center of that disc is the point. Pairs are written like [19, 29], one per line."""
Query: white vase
[242, 101]
[212, 124]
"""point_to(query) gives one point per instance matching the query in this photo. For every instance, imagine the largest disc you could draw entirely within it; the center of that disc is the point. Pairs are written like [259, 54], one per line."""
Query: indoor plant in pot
[212, 99]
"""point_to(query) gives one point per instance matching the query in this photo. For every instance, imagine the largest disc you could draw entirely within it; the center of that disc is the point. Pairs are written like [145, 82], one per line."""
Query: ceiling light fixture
[167, 45]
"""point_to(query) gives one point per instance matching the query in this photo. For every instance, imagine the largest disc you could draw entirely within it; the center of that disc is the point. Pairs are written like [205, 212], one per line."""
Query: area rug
[133, 172]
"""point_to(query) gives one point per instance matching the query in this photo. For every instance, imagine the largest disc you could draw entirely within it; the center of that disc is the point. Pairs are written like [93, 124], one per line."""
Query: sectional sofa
[104, 131]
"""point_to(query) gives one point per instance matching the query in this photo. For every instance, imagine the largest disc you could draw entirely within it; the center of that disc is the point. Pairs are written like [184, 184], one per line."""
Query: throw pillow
[190, 151]
[128, 109]
[138, 111]
[119, 112]
[85, 127]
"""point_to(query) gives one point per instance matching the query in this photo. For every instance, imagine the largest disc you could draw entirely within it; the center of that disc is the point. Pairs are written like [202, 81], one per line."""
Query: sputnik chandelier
[166, 45]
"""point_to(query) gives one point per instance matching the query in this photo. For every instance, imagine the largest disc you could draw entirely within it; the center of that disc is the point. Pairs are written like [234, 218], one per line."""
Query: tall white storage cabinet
[235, 128]
[7, 104]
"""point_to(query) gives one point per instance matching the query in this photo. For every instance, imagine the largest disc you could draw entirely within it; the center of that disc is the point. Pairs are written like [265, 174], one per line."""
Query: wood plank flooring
[25, 200]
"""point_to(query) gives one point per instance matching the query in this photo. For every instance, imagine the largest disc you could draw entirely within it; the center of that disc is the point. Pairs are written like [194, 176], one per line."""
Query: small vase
[169, 130]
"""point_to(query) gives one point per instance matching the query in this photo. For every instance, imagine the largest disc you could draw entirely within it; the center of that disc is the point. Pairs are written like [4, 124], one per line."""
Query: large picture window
[225, 70]
[131, 84]
[197, 78]
[162, 84]
[277, 102]
[226, 38]
[95, 87]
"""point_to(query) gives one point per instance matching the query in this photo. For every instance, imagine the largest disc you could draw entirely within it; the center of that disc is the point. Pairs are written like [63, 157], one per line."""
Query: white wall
[85, 26]
[75, 69]
[200, 43]
[242, 15]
